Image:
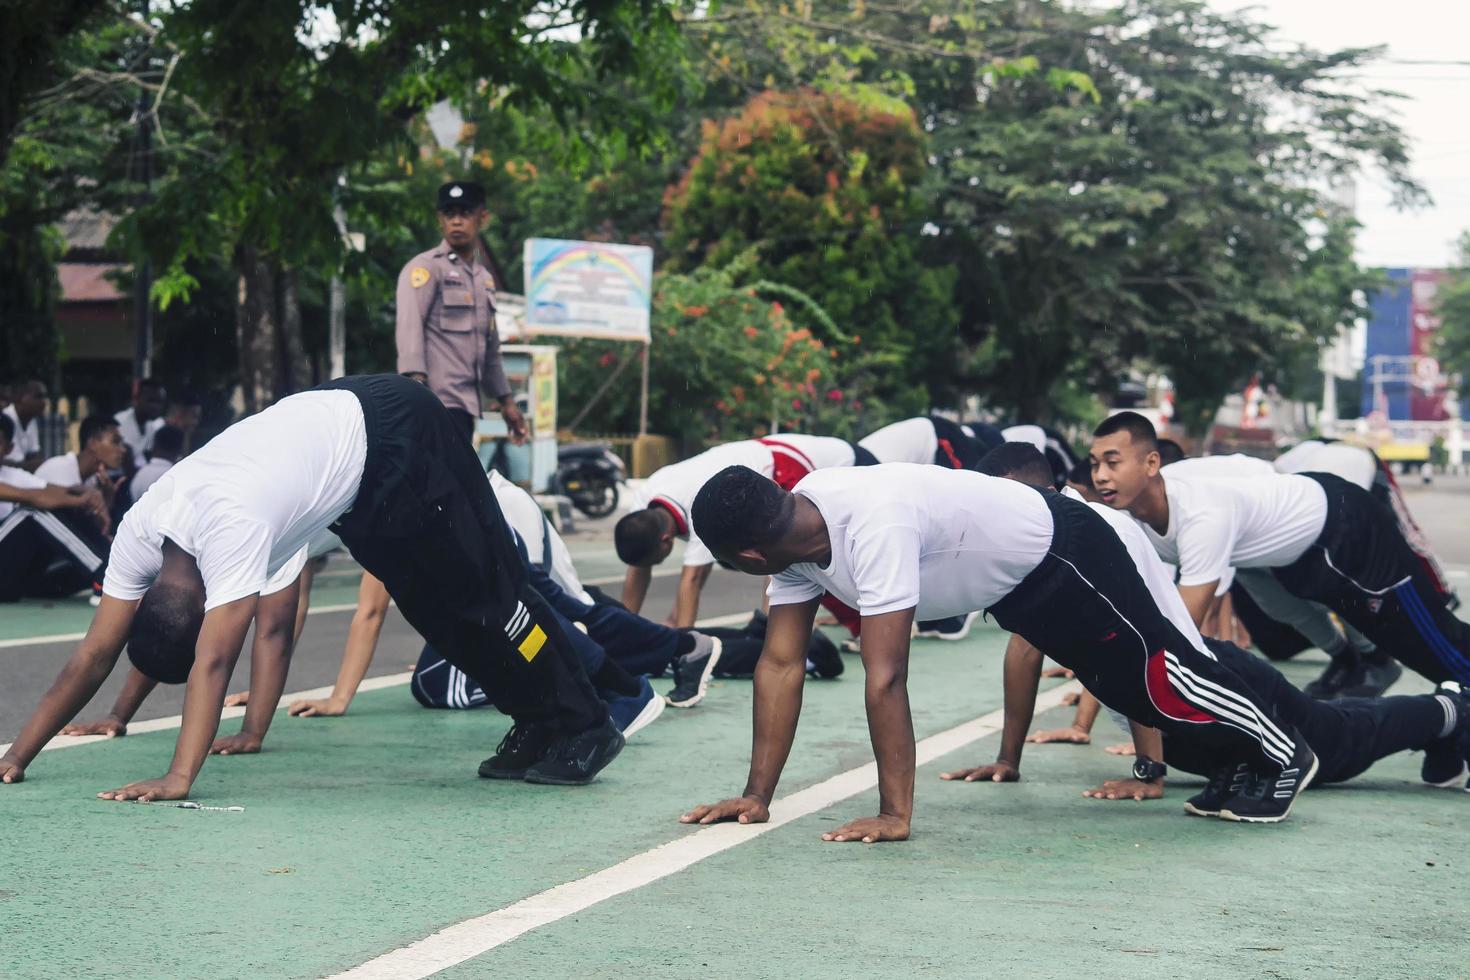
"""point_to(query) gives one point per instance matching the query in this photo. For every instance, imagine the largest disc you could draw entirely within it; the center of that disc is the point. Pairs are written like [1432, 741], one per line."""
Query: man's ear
[1152, 463]
[667, 536]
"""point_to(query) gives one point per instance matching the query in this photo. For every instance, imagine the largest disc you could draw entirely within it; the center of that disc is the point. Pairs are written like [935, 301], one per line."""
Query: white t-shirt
[525, 517]
[675, 487]
[1157, 577]
[1353, 463]
[139, 438]
[63, 471]
[813, 452]
[148, 475]
[1034, 434]
[26, 441]
[910, 441]
[1237, 465]
[249, 500]
[1220, 523]
[20, 479]
[905, 535]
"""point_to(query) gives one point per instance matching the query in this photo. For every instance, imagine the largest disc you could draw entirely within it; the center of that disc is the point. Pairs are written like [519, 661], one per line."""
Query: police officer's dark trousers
[426, 523]
[1362, 568]
[1086, 607]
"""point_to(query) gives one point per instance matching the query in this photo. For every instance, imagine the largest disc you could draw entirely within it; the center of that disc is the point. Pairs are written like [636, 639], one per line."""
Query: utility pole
[143, 281]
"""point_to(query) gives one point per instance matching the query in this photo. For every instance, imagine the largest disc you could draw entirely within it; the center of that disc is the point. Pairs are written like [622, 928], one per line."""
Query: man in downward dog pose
[1321, 537]
[1348, 735]
[905, 540]
[931, 439]
[645, 537]
[379, 460]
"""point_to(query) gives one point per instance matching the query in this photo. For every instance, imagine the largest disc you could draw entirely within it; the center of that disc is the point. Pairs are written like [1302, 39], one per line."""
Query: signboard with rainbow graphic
[588, 289]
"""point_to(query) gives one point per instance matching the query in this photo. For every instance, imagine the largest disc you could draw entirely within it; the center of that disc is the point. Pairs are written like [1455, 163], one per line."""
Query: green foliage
[818, 184]
[1452, 343]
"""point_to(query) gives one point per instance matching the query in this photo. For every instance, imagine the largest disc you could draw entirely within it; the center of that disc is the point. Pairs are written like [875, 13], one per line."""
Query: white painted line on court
[368, 684]
[465, 940]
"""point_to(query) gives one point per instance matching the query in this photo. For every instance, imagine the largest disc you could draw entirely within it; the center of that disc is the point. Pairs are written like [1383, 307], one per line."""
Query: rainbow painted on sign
[592, 289]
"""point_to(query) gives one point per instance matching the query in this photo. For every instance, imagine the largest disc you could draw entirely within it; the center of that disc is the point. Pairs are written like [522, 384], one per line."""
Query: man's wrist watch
[1146, 770]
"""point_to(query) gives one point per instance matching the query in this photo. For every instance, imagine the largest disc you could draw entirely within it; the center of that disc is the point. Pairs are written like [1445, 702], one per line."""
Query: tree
[818, 185]
[1452, 342]
[32, 34]
[300, 93]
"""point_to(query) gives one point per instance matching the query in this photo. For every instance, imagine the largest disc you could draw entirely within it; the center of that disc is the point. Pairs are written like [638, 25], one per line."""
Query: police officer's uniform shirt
[910, 441]
[674, 487]
[1157, 577]
[446, 329]
[27, 439]
[139, 438]
[20, 479]
[1353, 463]
[911, 536]
[249, 501]
[524, 516]
[1219, 523]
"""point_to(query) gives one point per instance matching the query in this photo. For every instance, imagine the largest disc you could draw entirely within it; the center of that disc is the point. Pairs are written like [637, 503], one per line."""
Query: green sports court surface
[370, 833]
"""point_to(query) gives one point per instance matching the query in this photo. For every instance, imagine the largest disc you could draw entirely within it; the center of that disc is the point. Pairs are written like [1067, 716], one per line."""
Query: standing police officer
[446, 316]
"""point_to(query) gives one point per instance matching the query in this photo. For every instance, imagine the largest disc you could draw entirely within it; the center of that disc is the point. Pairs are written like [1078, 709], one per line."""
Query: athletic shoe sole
[644, 718]
[502, 773]
[1194, 811]
[704, 676]
[959, 634]
[1306, 781]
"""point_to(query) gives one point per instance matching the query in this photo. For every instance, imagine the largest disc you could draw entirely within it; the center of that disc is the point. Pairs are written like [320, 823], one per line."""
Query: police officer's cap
[461, 194]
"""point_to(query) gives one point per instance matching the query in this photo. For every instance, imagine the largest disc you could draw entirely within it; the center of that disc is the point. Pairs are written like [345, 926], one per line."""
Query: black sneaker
[1268, 798]
[1332, 680]
[572, 760]
[823, 659]
[1223, 785]
[522, 745]
[1445, 763]
[692, 672]
[1372, 678]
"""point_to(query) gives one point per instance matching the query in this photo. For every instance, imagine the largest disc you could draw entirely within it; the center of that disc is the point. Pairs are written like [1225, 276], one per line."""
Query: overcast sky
[1435, 114]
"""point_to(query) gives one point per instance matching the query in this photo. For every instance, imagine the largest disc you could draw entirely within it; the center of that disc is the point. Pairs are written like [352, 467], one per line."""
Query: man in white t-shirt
[51, 536]
[25, 414]
[1348, 736]
[905, 541]
[930, 439]
[101, 452]
[168, 448]
[1323, 538]
[1356, 668]
[645, 537]
[379, 460]
[139, 422]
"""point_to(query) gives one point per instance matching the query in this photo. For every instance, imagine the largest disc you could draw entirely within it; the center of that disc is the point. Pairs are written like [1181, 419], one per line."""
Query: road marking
[368, 684]
[465, 940]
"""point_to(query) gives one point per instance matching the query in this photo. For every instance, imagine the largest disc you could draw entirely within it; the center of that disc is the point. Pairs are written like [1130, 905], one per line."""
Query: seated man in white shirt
[25, 413]
[142, 420]
[1348, 735]
[168, 447]
[902, 541]
[1321, 537]
[51, 536]
[379, 460]
[645, 537]
[102, 451]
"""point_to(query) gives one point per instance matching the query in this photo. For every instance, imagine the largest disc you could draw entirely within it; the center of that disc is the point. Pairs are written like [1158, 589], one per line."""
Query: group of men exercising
[221, 540]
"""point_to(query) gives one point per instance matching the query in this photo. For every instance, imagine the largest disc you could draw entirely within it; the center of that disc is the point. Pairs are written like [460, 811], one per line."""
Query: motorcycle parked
[588, 473]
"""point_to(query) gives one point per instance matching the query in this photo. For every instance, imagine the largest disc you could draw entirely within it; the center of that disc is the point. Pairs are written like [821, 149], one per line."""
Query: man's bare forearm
[778, 689]
[68, 694]
[220, 640]
[135, 691]
[691, 584]
[635, 588]
[1022, 676]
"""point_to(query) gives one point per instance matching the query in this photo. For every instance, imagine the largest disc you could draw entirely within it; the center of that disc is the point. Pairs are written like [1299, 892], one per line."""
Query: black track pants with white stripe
[1087, 608]
[1362, 568]
[426, 523]
[46, 554]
